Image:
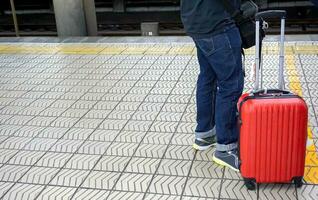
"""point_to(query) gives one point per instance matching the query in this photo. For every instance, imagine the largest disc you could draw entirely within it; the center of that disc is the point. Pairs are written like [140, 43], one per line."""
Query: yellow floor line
[311, 169]
[187, 49]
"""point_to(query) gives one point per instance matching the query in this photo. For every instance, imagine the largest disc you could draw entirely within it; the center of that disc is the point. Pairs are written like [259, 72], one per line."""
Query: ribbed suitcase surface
[273, 136]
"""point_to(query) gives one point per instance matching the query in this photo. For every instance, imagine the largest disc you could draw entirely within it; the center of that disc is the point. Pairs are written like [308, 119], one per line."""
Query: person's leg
[225, 59]
[205, 97]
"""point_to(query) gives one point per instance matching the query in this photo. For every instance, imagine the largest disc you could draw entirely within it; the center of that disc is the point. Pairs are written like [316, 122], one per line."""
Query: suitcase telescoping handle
[265, 15]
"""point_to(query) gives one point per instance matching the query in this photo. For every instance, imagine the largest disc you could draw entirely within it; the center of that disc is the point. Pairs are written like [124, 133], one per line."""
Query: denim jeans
[219, 86]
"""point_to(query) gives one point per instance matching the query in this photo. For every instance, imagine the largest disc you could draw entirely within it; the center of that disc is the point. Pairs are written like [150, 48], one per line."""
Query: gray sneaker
[227, 158]
[201, 144]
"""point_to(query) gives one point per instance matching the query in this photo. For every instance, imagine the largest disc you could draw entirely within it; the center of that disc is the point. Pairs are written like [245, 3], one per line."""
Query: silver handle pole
[15, 20]
[281, 56]
[261, 71]
[257, 51]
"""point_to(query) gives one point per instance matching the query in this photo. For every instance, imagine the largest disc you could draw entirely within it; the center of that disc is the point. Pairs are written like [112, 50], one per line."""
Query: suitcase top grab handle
[270, 14]
[276, 92]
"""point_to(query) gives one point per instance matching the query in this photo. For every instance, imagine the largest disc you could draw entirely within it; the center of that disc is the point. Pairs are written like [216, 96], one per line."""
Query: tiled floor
[116, 121]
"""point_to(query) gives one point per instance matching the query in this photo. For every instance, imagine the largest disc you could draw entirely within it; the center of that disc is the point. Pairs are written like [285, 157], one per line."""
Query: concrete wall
[70, 18]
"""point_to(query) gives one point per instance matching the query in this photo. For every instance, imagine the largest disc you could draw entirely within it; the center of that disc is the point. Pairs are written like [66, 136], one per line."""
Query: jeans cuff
[226, 147]
[206, 134]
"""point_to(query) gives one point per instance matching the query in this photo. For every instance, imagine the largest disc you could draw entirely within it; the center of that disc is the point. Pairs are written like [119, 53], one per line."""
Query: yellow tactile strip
[113, 49]
[159, 49]
[311, 156]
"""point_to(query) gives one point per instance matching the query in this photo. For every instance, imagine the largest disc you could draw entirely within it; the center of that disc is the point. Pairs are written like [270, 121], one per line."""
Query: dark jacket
[203, 18]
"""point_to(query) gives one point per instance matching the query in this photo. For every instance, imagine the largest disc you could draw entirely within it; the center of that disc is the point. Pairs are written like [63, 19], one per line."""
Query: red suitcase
[273, 127]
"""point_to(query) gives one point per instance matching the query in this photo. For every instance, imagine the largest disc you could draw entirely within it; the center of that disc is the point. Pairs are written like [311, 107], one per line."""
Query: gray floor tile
[130, 136]
[145, 115]
[88, 123]
[166, 127]
[111, 124]
[97, 114]
[7, 154]
[183, 139]
[202, 187]
[151, 106]
[73, 113]
[276, 191]
[12, 172]
[206, 169]
[66, 146]
[186, 127]
[157, 138]
[118, 195]
[64, 122]
[196, 198]
[230, 174]
[205, 155]
[29, 131]
[18, 120]
[3, 138]
[234, 189]
[308, 192]
[23, 191]
[156, 98]
[54, 192]
[15, 143]
[54, 159]
[40, 144]
[101, 180]
[26, 158]
[169, 116]
[47, 112]
[112, 163]
[81, 161]
[94, 147]
[161, 197]
[180, 152]
[120, 114]
[76, 133]
[174, 167]
[4, 187]
[143, 165]
[141, 126]
[39, 175]
[8, 129]
[151, 150]
[121, 149]
[189, 117]
[133, 182]
[69, 177]
[92, 194]
[171, 185]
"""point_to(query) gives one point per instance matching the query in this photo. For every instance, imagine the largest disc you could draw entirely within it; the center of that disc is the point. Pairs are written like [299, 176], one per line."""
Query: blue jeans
[219, 86]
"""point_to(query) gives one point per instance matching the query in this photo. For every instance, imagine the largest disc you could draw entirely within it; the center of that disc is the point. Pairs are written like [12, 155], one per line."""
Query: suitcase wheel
[250, 183]
[298, 181]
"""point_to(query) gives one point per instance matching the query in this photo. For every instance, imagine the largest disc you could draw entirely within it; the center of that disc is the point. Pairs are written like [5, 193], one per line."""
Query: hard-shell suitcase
[273, 126]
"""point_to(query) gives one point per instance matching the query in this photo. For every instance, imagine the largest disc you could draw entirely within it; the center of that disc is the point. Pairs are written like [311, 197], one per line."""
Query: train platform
[113, 118]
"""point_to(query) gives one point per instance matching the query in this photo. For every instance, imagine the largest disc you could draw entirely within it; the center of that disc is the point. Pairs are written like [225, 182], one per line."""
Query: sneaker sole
[201, 148]
[220, 162]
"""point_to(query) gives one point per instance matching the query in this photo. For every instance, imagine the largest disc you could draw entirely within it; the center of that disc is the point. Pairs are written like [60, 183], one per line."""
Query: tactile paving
[116, 121]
